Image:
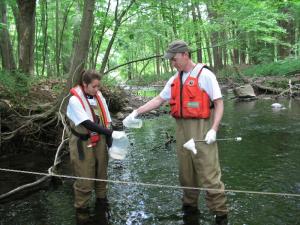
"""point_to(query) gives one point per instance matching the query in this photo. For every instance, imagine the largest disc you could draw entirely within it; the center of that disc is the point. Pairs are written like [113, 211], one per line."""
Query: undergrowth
[287, 67]
[14, 84]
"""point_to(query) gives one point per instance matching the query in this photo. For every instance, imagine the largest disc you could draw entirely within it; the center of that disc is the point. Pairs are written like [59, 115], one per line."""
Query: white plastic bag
[118, 149]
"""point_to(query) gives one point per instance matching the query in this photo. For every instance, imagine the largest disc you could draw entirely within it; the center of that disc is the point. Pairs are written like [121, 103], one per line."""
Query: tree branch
[133, 61]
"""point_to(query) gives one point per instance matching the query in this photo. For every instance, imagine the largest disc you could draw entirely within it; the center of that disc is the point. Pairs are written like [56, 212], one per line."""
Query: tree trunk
[118, 22]
[157, 59]
[174, 21]
[197, 34]
[214, 38]
[44, 24]
[162, 7]
[243, 49]
[57, 37]
[16, 13]
[65, 18]
[129, 71]
[82, 47]
[36, 53]
[110, 44]
[223, 51]
[8, 61]
[103, 26]
[27, 31]
[208, 49]
[235, 51]
[288, 38]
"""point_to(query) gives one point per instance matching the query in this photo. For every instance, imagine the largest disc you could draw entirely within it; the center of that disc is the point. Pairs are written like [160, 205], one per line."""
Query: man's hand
[210, 136]
[131, 121]
[132, 115]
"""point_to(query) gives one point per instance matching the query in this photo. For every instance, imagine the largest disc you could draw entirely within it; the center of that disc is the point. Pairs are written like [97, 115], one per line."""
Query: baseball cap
[174, 47]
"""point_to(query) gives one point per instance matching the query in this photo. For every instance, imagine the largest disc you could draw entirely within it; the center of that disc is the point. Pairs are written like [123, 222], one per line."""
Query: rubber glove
[210, 136]
[130, 117]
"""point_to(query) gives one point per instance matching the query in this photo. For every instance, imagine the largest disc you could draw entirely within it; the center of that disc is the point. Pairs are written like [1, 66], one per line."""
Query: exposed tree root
[278, 86]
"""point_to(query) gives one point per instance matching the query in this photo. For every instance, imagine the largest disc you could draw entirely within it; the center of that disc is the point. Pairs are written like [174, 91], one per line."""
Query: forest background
[48, 39]
[45, 44]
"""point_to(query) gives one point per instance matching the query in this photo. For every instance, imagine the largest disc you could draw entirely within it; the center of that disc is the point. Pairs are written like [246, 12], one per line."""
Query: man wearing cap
[196, 104]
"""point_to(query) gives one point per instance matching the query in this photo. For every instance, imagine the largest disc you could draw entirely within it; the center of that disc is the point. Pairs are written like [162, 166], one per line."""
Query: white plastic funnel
[190, 145]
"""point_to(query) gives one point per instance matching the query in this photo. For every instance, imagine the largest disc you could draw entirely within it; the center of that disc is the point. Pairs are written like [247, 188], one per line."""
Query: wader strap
[81, 137]
[211, 106]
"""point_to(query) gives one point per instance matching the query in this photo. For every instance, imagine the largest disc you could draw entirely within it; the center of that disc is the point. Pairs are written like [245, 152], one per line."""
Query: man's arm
[152, 104]
[218, 113]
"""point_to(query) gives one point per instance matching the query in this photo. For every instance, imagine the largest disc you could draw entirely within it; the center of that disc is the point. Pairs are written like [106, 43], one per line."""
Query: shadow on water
[268, 159]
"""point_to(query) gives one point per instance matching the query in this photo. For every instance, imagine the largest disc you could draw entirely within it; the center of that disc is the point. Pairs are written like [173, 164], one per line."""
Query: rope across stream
[151, 184]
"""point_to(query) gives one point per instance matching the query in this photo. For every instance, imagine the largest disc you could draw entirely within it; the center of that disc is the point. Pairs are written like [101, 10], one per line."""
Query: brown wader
[202, 169]
[93, 165]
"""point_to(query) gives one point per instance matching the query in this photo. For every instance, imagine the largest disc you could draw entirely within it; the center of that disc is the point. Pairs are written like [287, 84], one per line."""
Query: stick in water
[223, 139]
[190, 145]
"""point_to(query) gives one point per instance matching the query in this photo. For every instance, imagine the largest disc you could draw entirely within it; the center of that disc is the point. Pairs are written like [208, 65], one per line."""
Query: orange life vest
[188, 100]
[79, 93]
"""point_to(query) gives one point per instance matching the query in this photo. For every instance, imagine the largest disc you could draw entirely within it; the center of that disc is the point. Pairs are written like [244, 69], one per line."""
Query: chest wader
[80, 138]
[202, 169]
[90, 162]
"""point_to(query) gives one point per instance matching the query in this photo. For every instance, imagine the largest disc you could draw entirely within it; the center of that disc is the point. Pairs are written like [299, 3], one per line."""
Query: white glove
[118, 134]
[210, 136]
[132, 115]
[131, 121]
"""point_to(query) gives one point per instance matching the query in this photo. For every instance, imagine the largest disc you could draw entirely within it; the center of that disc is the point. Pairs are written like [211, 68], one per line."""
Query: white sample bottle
[135, 123]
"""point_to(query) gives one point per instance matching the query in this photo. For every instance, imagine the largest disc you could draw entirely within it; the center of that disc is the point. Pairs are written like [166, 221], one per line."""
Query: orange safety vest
[79, 93]
[188, 100]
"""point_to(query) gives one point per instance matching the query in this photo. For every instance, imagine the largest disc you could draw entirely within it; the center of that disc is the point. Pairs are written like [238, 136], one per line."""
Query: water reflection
[244, 105]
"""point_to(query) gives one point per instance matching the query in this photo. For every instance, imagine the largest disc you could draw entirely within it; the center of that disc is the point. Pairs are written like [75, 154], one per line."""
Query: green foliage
[261, 55]
[14, 84]
[149, 79]
[2, 26]
[147, 93]
[286, 67]
[252, 27]
[280, 68]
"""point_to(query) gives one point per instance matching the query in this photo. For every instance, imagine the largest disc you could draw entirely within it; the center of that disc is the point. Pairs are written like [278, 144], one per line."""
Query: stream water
[267, 160]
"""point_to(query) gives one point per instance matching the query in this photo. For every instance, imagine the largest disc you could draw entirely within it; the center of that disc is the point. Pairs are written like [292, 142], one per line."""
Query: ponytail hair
[87, 76]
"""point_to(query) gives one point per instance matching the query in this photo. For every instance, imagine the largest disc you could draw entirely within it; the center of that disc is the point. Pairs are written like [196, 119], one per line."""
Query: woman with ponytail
[90, 138]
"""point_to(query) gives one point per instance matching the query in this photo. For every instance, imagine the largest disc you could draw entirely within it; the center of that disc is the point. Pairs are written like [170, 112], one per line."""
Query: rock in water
[277, 105]
[245, 91]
